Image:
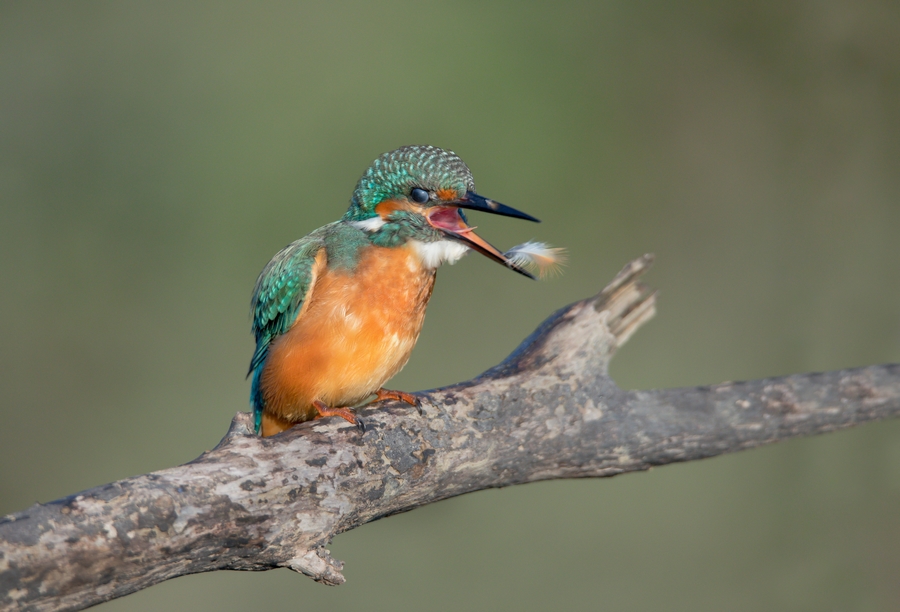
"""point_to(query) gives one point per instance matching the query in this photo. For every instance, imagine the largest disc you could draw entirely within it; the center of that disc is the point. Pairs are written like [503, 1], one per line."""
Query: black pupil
[419, 195]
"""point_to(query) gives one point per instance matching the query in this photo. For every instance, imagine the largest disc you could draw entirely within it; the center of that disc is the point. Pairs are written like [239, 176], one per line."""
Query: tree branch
[549, 410]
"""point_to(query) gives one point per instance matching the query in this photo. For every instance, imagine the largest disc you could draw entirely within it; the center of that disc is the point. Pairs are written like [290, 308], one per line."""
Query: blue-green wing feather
[278, 297]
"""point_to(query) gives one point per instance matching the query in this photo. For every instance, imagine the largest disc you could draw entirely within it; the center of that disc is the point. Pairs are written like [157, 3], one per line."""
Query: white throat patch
[433, 254]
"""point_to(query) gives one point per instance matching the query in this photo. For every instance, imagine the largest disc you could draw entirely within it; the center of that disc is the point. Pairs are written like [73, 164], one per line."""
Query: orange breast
[357, 331]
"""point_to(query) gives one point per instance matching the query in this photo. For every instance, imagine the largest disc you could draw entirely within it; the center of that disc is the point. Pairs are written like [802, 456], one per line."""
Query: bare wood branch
[549, 410]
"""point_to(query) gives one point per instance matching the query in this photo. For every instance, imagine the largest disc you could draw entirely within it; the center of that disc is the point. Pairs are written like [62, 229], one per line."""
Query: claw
[361, 425]
[327, 411]
[386, 394]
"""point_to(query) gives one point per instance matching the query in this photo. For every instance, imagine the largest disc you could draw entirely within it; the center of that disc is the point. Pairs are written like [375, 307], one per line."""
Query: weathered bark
[548, 411]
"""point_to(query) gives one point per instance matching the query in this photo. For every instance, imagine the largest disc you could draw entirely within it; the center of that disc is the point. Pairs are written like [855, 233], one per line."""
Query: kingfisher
[336, 313]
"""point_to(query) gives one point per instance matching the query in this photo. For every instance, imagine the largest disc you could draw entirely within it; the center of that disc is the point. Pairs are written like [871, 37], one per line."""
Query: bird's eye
[419, 196]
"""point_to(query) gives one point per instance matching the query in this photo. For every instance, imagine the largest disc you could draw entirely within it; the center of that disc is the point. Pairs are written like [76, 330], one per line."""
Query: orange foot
[344, 413]
[388, 394]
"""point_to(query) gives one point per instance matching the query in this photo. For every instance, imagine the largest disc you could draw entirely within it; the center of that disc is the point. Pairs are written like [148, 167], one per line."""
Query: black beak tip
[528, 217]
[521, 271]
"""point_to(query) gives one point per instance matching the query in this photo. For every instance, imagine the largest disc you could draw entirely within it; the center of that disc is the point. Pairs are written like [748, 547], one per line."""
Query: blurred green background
[154, 156]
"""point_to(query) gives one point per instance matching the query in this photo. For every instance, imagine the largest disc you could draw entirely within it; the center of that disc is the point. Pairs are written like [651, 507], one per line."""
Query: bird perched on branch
[337, 313]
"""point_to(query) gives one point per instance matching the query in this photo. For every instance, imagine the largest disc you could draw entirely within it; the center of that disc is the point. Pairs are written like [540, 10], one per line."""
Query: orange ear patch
[385, 208]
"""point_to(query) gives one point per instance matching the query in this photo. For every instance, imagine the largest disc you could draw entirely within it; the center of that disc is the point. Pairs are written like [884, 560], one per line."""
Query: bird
[337, 313]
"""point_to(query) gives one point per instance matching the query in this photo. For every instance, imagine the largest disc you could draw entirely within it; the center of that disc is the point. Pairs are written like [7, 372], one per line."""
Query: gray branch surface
[549, 410]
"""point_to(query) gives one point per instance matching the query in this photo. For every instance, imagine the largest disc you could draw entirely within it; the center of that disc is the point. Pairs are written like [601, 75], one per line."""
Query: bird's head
[417, 193]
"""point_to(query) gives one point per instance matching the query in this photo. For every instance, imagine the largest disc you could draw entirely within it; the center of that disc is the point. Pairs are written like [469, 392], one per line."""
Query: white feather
[537, 257]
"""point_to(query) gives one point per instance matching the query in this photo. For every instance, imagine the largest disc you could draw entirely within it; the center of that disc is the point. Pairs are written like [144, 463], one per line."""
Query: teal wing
[279, 295]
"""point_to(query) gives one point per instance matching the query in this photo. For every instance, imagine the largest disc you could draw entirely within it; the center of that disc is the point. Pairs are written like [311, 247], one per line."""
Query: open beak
[449, 221]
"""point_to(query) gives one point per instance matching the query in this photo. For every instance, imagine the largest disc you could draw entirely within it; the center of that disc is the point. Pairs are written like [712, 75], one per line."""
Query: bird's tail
[256, 399]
